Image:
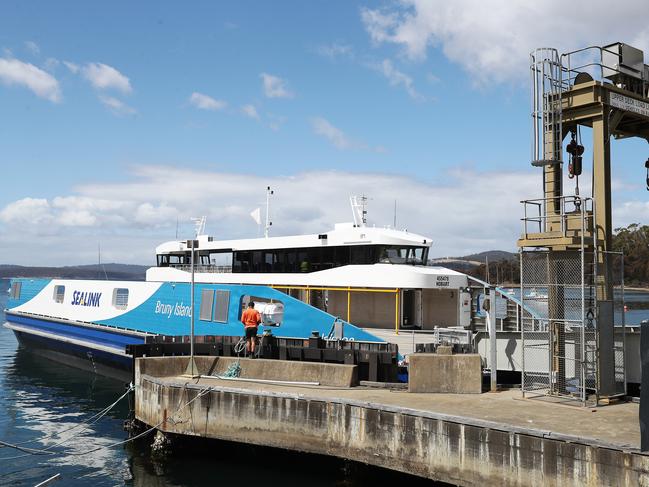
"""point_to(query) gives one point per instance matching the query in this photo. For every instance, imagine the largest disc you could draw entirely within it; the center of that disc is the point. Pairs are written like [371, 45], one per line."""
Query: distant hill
[503, 265]
[116, 272]
[477, 259]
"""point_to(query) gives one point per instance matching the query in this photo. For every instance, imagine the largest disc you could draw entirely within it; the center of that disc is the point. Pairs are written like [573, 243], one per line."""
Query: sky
[120, 121]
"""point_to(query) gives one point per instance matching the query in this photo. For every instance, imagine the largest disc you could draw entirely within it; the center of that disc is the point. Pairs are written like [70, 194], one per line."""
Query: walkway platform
[485, 439]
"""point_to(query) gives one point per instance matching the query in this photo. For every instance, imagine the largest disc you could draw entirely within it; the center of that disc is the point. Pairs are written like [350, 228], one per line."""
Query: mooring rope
[48, 451]
[88, 422]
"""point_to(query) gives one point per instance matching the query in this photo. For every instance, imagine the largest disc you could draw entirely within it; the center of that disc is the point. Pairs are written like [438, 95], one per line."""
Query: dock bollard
[644, 387]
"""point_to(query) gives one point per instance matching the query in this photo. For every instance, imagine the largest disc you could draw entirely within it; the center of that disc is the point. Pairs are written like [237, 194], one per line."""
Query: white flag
[256, 215]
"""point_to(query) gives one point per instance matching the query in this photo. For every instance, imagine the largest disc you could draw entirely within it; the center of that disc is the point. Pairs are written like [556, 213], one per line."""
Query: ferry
[369, 278]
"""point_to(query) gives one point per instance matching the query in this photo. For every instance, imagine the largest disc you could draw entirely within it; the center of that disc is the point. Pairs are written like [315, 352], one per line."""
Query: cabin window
[16, 287]
[312, 259]
[207, 302]
[166, 260]
[59, 294]
[222, 306]
[120, 298]
[271, 310]
[221, 259]
[403, 255]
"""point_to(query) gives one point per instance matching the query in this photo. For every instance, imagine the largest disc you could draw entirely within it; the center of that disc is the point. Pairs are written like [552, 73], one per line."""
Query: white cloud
[41, 83]
[397, 78]
[337, 137]
[32, 47]
[628, 212]
[28, 212]
[250, 111]
[51, 63]
[275, 87]
[104, 77]
[143, 212]
[322, 127]
[205, 102]
[116, 106]
[275, 122]
[335, 50]
[152, 215]
[73, 67]
[131, 218]
[492, 40]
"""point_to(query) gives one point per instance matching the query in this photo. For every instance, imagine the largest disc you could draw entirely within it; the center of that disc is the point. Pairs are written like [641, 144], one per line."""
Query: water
[635, 300]
[39, 397]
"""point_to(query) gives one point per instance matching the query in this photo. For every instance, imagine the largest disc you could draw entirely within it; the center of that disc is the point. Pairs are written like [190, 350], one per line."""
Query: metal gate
[560, 340]
[559, 343]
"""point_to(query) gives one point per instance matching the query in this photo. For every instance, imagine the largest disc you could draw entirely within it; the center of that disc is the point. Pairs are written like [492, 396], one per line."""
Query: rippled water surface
[39, 399]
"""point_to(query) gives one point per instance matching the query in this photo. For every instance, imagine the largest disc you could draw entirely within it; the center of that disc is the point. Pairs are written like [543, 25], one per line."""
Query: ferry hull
[78, 356]
[81, 323]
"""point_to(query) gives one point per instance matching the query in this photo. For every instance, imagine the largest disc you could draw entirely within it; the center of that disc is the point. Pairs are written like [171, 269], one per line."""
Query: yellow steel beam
[349, 304]
[396, 312]
[352, 289]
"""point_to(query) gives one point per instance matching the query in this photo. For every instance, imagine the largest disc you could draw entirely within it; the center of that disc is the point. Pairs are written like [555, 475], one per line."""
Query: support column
[552, 187]
[603, 243]
[553, 191]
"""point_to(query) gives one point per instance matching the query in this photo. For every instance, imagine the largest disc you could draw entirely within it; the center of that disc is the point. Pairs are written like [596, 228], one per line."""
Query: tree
[633, 241]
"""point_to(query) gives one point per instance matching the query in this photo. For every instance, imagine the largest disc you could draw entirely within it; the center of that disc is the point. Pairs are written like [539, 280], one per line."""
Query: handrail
[599, 66]
[507, 296]
[583, 210]
[219, 269]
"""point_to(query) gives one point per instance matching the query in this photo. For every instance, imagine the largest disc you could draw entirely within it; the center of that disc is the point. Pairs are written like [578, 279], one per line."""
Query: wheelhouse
[303, 259]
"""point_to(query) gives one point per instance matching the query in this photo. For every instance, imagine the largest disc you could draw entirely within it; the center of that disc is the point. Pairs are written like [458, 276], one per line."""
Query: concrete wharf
[463, 439]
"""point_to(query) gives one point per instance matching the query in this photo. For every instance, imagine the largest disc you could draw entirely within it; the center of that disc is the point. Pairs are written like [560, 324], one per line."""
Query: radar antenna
[269, 223]
[200, 225]
[359, 210]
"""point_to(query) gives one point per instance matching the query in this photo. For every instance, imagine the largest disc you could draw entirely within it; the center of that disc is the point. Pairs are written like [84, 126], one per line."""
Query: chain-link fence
[615, 262]
[560, 340]
[559, 353]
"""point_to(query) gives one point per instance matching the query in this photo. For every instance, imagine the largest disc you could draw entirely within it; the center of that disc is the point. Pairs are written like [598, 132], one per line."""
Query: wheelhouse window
[166, 260]
[120, 298]
[312, 259]
[59, 294]
[403, 255]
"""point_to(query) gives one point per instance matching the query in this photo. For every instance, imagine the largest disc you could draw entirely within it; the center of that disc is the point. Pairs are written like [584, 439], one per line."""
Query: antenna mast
[200, 225]
[359, 210]
[269, 193]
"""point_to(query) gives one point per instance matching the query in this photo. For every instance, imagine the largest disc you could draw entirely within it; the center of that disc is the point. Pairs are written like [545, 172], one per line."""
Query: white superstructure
[371, 276]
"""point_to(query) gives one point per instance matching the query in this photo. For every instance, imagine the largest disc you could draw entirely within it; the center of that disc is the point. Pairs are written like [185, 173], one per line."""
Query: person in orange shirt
[251, 319]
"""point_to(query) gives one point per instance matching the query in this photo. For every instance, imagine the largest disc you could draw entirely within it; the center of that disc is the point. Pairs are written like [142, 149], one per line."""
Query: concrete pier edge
[465, 420]
[413, 433]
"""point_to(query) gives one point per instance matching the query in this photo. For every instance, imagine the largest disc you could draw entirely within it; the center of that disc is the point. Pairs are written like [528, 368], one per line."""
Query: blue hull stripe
[117, 361]
[106, 338]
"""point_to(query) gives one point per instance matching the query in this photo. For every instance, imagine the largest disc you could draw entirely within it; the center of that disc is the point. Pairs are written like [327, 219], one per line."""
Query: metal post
[582, 206]
[522, 322]
[493, 356]
[623, 322]
[191, 343]
[644, 388]
[396, 312]
[191, 366]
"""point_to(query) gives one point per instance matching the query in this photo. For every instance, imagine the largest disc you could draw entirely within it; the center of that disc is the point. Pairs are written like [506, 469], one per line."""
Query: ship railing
[207, 268]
